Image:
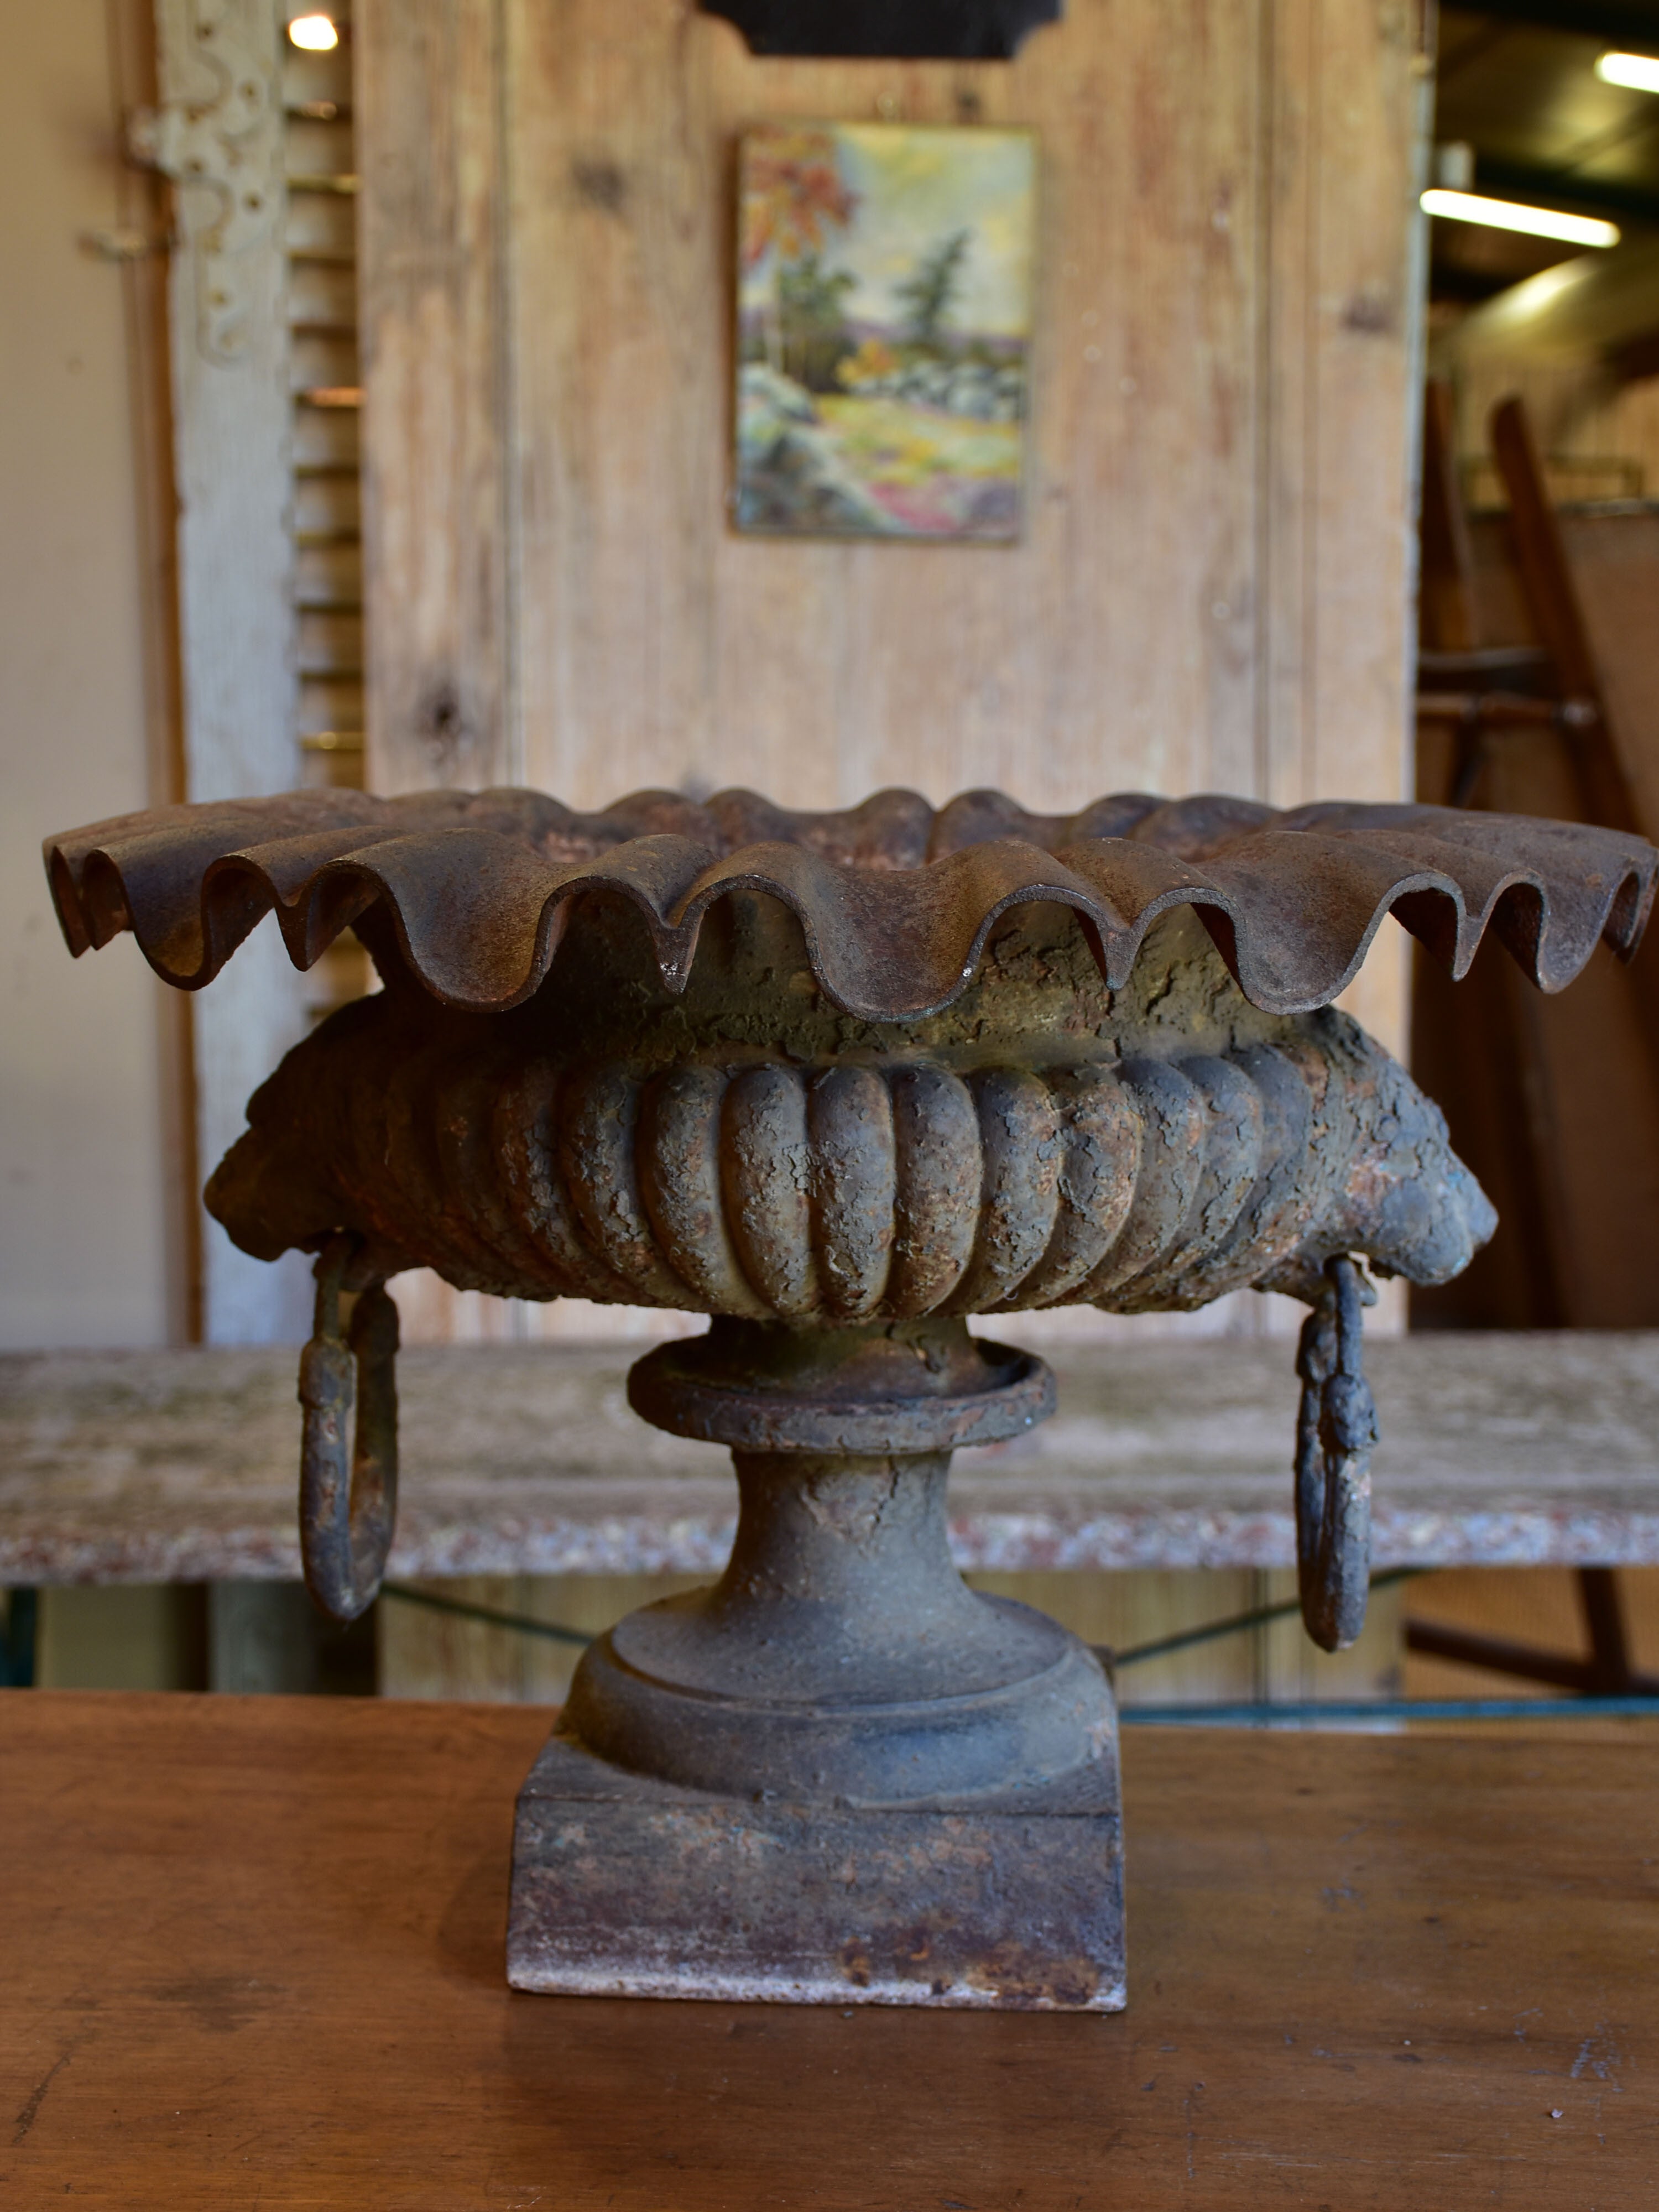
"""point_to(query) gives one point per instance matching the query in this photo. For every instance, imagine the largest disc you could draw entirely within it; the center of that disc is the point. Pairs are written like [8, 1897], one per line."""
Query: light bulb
[316, 33]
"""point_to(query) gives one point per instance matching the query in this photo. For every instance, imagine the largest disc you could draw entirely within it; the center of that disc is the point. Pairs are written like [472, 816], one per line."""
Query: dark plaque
[887, 30]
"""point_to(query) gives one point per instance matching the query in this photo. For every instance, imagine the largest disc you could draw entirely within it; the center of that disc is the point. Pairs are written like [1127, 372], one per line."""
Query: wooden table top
[1498, 1450]
[253, 1955]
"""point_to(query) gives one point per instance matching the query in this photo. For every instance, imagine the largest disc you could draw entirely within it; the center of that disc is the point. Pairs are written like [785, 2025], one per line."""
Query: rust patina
[841, 1081]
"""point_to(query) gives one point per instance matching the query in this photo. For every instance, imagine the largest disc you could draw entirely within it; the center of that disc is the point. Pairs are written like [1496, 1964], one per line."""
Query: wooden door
[1211, 589]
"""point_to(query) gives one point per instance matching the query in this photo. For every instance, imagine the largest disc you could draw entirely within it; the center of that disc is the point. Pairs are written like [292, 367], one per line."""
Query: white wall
[84, 1205]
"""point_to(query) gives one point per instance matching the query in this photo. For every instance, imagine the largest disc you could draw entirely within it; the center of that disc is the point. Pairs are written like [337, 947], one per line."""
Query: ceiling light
[1508, 214]
[316, 33]
[1639, 72]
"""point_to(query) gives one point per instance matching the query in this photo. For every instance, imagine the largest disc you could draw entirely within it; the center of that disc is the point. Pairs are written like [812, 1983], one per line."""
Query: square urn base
[627, 1886]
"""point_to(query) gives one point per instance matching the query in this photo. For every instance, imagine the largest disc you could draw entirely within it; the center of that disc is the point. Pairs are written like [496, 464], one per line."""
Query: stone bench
[181, 1466]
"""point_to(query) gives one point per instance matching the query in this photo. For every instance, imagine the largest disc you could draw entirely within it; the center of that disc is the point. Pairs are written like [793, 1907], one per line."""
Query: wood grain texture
[1211, 589]
[521, 1459]
[659, 646]
[1345, 168]
[256, 1955]
[433, 336]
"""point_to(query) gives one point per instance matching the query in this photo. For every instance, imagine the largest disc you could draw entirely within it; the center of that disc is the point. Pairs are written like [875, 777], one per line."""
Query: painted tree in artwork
[928, 296]
[793, 198]
[813, 302]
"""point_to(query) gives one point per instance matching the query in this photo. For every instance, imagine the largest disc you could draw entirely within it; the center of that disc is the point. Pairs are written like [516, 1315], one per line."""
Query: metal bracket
[229, 143]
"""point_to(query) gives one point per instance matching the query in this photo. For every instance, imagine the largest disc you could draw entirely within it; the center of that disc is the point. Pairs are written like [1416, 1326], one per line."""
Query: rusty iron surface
[910, 1386]
[349, 1440]
[746, 1149]
[840, 1658]
[1336, 1433]
[623, 1885]
[895, 899]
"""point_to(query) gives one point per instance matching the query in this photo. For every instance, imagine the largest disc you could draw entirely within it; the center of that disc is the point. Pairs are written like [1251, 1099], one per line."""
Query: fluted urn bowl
[841, 1081]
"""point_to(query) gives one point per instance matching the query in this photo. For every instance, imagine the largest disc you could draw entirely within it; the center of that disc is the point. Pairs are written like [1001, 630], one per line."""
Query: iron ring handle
[348, 1465]
[1336, 1434]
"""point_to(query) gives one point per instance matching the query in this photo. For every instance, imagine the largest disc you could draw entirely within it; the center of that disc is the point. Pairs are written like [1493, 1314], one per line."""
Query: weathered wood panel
[657, 645]
[433, 339]
[524, 1460]
[1212, 588]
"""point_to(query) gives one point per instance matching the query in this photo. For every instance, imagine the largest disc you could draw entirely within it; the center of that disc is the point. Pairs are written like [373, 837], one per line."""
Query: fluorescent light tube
[1639, 72]
[1508, 214]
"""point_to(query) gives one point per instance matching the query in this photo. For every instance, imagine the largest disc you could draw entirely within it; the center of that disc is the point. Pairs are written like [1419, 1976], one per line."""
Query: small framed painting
[884, 314]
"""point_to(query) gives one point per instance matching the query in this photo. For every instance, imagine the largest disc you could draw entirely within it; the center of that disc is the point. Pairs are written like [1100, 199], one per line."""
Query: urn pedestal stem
[883, 1770]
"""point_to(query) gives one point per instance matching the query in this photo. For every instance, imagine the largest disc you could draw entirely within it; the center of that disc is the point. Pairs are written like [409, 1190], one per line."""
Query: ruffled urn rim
[895, 898]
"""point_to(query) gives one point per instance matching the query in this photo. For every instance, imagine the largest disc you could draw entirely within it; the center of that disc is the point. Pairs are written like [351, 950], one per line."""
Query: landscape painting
[884, 312]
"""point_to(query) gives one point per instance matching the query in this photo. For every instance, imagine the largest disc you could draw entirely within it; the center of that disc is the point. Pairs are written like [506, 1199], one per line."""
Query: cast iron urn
[841, 1081]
